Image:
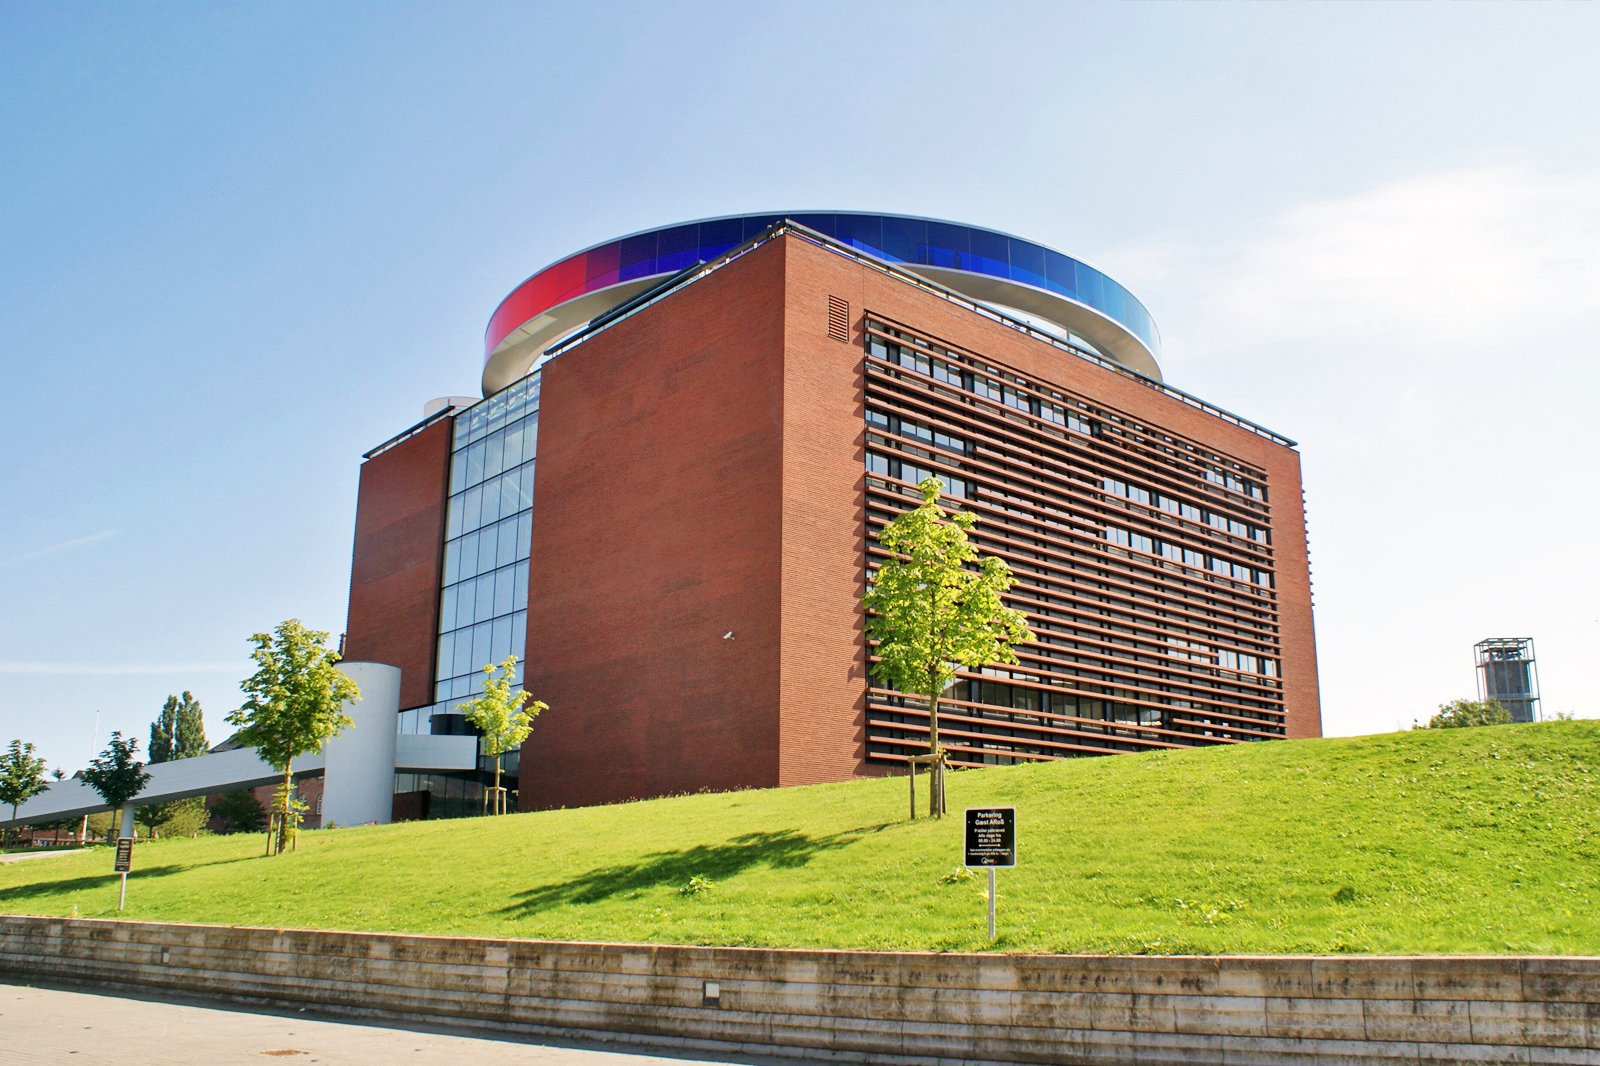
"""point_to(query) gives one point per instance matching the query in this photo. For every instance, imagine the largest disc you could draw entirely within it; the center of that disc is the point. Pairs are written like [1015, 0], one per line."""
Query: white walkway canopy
[358, 765]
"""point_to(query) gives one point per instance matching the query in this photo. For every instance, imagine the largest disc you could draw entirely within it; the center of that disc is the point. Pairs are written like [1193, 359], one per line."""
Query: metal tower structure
[1507, 675]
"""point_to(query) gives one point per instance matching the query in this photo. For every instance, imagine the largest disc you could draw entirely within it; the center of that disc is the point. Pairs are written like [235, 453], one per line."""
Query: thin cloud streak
[54, 549]
[117, 670]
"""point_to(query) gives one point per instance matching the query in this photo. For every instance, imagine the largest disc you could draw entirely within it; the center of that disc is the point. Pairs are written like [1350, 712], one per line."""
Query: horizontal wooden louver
[839, 319]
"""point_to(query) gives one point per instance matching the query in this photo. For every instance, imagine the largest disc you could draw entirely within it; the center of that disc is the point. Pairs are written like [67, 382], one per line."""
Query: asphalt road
[57, 1026]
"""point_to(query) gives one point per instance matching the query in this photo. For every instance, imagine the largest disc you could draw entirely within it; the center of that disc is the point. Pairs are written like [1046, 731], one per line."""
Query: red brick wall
[824, 667]
[656, 529]
[395, 570]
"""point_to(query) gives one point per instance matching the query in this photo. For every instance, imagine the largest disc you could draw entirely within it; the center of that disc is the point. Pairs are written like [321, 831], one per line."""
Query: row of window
[1066, 412]
[486, 596]
[905, 427]
[469, 650]
[486, 504]
[495, 412]
[488, 549]
[1051, 406]
[894, 466]
[1182, 508]
[1049, 701]
[503, 449]
[1179, 553]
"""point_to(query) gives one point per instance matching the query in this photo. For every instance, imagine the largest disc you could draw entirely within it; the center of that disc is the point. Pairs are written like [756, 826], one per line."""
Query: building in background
[666, 503]
[1507, 674]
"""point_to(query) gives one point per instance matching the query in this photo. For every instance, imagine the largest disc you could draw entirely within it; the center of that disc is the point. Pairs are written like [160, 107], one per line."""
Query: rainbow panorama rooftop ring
[980, 264]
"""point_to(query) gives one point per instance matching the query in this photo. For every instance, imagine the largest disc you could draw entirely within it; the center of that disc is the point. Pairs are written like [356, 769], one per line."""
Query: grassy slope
[1474, 840]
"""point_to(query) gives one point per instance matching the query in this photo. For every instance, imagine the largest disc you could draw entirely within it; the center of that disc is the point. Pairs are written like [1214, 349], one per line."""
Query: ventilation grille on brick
[839, 319]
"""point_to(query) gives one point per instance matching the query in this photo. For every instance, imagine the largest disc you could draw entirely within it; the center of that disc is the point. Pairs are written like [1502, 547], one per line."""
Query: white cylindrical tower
[358, 782]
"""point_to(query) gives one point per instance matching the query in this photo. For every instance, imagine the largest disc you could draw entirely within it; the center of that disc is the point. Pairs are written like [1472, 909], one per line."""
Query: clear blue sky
[241, 244]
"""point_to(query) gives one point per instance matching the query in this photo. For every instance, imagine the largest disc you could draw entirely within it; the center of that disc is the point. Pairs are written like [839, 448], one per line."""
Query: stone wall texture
[861, 1006]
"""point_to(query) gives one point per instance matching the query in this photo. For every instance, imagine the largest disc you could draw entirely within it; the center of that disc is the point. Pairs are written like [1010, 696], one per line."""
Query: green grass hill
[1482, 841]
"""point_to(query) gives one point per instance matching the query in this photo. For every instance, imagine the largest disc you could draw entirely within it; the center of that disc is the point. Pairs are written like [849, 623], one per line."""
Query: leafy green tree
[239, 812]
[934, 608]
[21, 775]
[294, 703]
[116, 774]
[505, 718]
[1460, 714]
[179, 732]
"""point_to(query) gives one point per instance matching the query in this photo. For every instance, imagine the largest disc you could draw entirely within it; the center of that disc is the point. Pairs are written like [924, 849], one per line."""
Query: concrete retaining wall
[863, 1005]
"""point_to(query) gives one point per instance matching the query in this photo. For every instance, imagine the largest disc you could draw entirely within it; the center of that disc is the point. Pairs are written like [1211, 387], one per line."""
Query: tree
[116, 774]
[179, 732]
[295, 703]
[239, 812]
[1459, 714]
[934, 607]
[21, 775]
[502, 718]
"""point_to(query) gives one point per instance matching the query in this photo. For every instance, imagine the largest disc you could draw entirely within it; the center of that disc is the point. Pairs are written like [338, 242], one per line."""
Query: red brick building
[671, 518]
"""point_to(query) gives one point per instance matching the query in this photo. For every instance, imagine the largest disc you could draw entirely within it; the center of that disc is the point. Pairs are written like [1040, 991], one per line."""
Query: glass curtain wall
[483, 603]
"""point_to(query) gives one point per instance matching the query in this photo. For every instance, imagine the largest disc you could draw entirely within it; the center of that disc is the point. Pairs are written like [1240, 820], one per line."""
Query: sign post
[991, 842]
[124, 864]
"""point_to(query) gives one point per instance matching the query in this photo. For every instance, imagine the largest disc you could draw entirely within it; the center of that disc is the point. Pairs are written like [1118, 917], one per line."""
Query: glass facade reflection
[483, 600]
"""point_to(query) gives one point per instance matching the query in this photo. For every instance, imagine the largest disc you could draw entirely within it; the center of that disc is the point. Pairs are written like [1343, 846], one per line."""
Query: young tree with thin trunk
[295, 702]
[116, 775]
[934, 607]
[505, 718]
[21, 776]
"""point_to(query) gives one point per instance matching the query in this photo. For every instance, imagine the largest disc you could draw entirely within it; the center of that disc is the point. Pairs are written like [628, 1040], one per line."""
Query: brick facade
[394, 572]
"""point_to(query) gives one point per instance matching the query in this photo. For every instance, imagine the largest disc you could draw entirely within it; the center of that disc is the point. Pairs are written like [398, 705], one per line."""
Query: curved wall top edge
[904, 240]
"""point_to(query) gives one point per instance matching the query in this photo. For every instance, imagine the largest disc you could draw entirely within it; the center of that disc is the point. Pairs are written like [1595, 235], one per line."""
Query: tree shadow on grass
[781, 850]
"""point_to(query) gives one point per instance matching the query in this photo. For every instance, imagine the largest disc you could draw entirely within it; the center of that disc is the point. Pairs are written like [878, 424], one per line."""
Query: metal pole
[912, 777]
[122, 900]
[991, 903]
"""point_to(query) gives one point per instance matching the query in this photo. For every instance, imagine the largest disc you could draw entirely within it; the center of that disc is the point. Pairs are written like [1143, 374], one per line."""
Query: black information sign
[991, 836]
[124, 855]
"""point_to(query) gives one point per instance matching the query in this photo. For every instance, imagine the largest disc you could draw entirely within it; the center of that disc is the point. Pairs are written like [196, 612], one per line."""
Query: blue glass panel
[862, 231]
[756, 225]
[947, 244]
[1115, 300]
[1060, 273]
[1139, 321]
[1027, 262]
[677, 248]
[991, 254]
[720, 236]
[827, 224]
[638, 259]
[905, 239]
[1091, 286]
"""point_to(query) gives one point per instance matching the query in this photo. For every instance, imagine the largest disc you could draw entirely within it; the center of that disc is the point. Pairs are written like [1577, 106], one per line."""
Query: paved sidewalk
[56, 1026]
